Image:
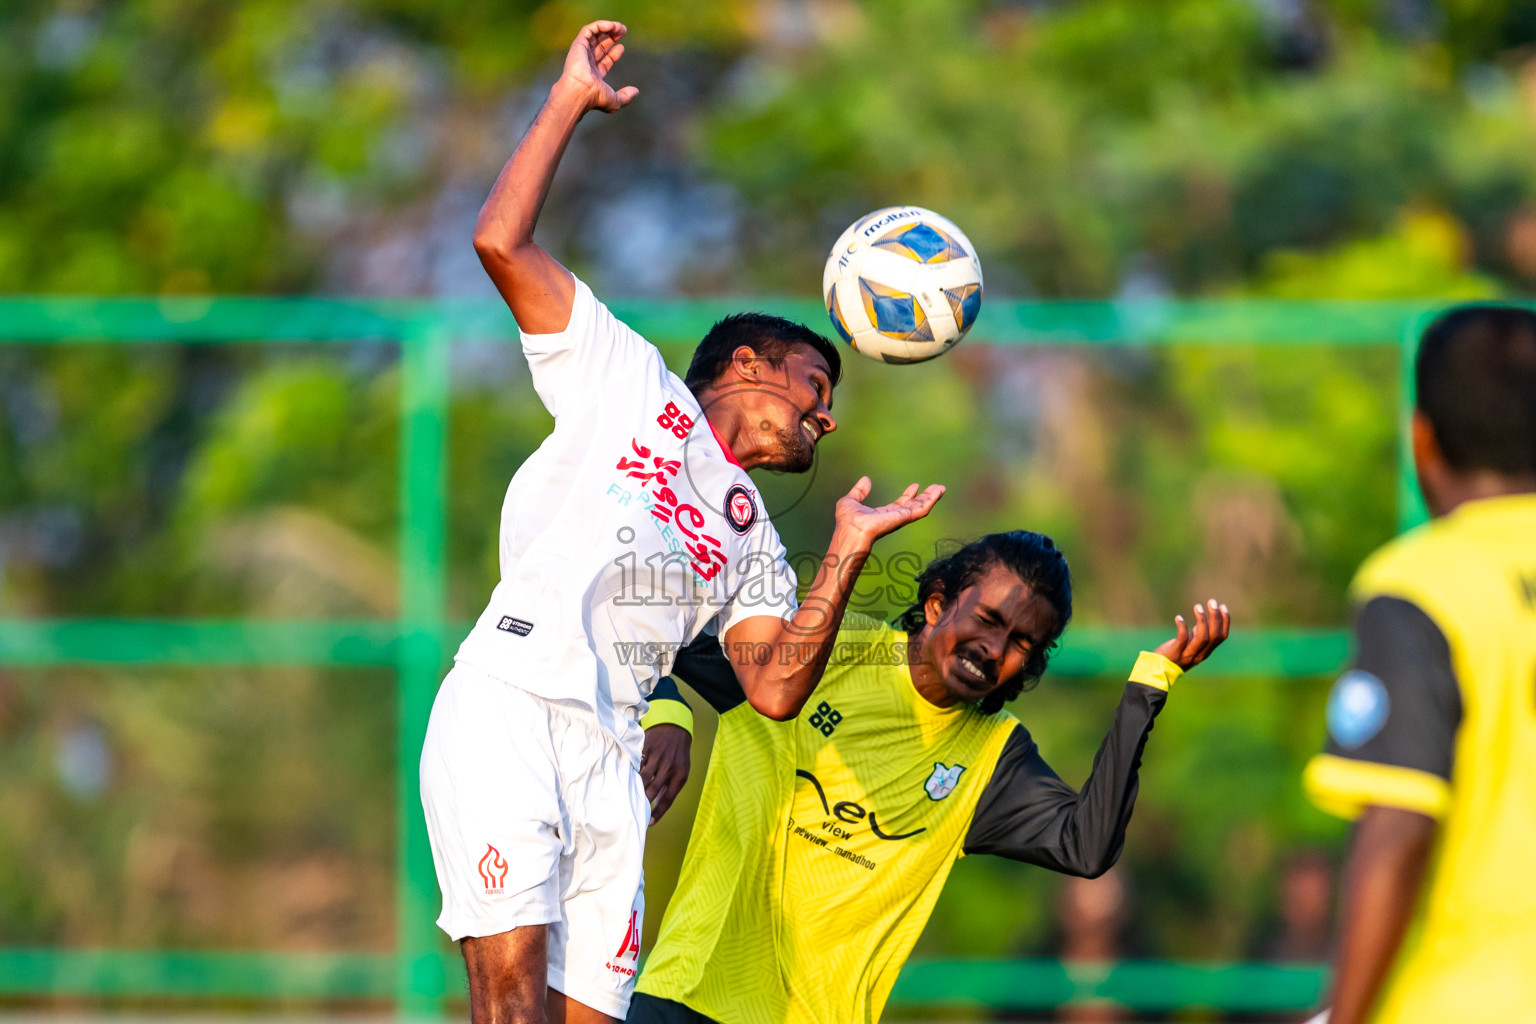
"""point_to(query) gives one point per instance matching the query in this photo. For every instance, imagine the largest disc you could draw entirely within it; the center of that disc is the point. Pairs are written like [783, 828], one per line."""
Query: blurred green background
[1130, 151]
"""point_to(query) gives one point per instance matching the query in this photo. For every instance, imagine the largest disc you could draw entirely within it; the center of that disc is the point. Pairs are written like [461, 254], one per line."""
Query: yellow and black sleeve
[1392, 718]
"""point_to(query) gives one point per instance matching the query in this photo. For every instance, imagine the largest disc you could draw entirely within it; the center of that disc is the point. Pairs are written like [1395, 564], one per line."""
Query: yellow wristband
[1155, 670]
[668, 712]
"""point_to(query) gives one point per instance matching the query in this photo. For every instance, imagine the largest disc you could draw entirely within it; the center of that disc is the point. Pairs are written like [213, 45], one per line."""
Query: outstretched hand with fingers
[594, 53]
[874, 523]
[1192, 646]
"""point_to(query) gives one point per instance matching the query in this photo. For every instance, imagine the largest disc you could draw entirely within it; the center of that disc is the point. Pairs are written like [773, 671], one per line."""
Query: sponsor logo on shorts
[493, 870]
[740, 508]
[510, 625]
[629, 949]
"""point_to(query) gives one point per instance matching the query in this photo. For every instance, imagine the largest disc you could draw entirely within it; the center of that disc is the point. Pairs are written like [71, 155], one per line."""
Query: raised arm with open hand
[594, 53]
[852, 514]
[778, 686]
[537, 289]
[1189, 647]
[1028, 813]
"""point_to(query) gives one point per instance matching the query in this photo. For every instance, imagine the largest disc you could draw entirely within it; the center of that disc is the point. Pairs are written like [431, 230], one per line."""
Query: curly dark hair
[1035, 560]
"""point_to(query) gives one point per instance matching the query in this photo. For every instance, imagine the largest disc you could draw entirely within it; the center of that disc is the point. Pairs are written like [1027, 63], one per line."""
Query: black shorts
[646, 1009]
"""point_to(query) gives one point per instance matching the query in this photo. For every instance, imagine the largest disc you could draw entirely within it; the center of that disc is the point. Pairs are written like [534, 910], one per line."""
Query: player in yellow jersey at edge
[822, 843]
[1432, 731]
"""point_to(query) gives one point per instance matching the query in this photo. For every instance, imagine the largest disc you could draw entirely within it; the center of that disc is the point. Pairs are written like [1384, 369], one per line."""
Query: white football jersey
[628, 531]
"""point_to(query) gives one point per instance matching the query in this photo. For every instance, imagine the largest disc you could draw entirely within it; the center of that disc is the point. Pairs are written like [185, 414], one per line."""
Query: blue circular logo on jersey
[1357, 708]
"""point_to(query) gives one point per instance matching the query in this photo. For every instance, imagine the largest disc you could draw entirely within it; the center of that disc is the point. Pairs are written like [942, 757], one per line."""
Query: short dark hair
[1035, 560]
[1476, 381]
[771, 337]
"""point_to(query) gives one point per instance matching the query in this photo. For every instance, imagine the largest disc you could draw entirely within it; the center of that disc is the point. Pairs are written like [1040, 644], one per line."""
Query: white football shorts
[537, 816]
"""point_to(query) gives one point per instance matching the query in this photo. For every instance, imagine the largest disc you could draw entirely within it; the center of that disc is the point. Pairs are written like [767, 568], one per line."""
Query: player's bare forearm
[537, 289]
[779, 661]
[798, 648]
[1386, 867]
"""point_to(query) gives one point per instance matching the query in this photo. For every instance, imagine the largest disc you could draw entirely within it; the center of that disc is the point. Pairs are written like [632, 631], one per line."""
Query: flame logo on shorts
[492, 868]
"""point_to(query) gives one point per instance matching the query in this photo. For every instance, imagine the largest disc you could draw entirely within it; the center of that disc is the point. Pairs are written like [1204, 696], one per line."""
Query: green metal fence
[417, 976]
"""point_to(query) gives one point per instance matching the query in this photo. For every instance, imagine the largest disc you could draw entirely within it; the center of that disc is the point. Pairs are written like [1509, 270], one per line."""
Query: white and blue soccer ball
[902, 285]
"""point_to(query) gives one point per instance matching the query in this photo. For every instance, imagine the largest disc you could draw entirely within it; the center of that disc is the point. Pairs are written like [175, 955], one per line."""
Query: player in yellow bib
[821, 843]
[1432, 731]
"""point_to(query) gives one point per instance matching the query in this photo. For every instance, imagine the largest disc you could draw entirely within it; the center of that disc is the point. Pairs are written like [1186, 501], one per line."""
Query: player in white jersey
[632, 527]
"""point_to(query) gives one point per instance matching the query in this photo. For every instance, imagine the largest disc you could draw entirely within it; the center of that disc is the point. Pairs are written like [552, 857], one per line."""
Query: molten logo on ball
[902, 285]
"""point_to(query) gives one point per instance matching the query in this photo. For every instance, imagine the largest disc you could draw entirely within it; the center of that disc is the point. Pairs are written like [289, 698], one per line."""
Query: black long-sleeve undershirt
[1026, 812]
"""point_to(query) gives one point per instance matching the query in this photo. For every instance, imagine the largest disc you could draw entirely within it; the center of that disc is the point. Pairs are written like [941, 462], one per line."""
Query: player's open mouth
[812, 427]
[971, 672]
